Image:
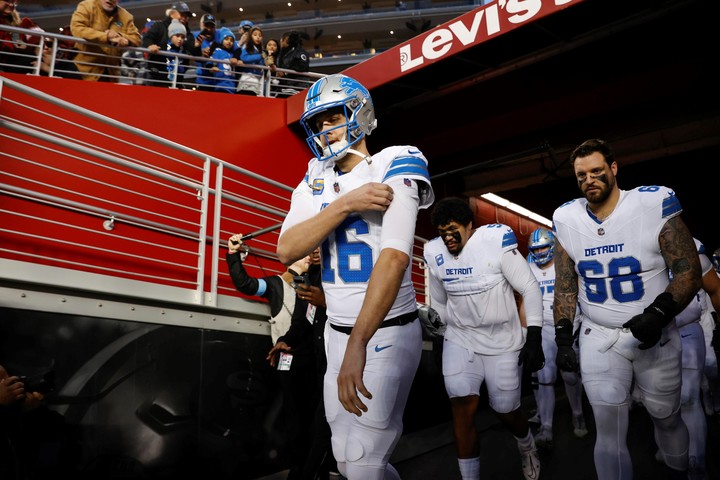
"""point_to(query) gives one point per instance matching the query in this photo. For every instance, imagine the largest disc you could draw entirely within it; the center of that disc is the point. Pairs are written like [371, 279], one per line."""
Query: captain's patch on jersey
[318, 186]
[439, 260]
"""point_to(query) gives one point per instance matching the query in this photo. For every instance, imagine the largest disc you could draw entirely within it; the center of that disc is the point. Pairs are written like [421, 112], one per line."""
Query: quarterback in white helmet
[361, 209]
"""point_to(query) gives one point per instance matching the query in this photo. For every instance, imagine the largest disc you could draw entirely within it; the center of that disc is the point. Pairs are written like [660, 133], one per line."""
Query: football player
[361, 209]
[612, 255]
[541, 246]
[473, 276]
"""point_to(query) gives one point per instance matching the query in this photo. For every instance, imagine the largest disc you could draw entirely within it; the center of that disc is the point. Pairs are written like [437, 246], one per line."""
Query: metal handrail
[31, 63]
[201, 187]
[212, 201]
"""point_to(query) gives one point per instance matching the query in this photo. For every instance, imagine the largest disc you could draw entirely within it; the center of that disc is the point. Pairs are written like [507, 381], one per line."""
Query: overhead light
[514, 207]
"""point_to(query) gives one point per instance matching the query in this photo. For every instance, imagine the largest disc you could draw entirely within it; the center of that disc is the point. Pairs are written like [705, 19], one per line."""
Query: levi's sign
[473, 28]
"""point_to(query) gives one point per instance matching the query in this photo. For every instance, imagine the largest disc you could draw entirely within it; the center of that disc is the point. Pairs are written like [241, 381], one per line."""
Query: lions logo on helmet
[433, 326]
[348, 96]
[539, 240]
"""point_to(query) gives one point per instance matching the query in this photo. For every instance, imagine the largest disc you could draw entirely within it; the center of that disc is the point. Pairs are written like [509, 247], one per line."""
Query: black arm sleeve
[243, 282]
[249, 285]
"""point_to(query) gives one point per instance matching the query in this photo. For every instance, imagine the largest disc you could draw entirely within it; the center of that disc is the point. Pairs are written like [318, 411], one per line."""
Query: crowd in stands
[165, 53]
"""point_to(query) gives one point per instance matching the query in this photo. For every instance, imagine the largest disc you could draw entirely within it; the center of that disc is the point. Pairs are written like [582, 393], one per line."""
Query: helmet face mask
[716, 260]
[346, 95]
[539, 240]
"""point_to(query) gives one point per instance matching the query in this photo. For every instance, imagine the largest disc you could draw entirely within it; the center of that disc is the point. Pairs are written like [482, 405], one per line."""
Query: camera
[301, 280]
[42, 383]
[206, 33]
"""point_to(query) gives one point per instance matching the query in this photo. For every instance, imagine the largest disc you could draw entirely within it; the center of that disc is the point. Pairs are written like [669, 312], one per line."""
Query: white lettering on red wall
[473, 28]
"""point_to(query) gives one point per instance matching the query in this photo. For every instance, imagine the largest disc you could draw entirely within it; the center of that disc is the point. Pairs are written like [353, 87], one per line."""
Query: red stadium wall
[486, 212]
[249, 131]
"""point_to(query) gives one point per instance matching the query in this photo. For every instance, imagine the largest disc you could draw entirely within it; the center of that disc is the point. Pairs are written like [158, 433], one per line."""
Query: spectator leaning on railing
[102, 22]
[292, 57]
[177, 34]
[210, 39]
[16, 54]
[224, 73]
[249, 82]
[156, 40]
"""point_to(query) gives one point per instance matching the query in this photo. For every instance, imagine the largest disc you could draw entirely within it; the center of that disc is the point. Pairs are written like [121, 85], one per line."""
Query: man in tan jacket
[102, 22]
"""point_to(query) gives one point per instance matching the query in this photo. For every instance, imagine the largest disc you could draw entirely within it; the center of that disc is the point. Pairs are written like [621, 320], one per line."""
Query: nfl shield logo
[601, 231]
[407, 182]
[336, 187]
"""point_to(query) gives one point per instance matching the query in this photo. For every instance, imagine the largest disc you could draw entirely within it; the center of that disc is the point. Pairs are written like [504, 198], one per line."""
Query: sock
[526, 443]
[469, 468]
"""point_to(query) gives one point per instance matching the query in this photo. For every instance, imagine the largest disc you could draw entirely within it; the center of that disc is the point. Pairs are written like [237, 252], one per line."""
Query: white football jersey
[476, 297]
[350, 252]
[546, 279]
[618, 260]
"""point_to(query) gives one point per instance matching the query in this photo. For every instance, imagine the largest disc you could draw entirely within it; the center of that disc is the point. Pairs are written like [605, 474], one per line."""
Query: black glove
[716, 340]
[647, 326]
[531, 355]
[566, 359]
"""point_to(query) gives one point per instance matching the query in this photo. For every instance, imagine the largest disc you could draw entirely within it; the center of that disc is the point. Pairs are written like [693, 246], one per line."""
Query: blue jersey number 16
[354, 259]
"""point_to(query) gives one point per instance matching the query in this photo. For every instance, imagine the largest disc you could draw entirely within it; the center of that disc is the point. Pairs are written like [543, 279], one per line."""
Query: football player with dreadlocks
[541, 246]
[473, 275]
[361, 210]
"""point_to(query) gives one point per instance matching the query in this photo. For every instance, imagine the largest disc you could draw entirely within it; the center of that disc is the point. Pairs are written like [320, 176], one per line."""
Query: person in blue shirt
[210, 38]
[224, 73]
[251, 53]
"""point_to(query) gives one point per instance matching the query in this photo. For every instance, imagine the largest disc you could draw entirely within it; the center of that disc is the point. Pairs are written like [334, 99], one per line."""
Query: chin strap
[367, 158]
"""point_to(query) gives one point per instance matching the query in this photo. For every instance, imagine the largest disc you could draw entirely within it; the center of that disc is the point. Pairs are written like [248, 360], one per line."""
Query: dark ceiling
[503, 116]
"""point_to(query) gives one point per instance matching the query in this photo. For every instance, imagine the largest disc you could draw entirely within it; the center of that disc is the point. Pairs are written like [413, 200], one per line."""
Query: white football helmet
[716, 260]
[341, 92]
[539, 239]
